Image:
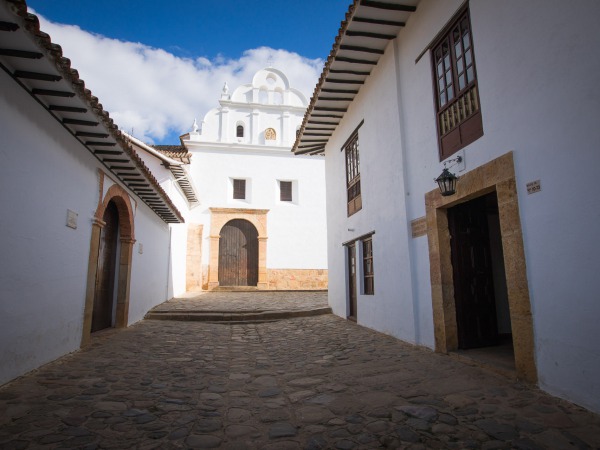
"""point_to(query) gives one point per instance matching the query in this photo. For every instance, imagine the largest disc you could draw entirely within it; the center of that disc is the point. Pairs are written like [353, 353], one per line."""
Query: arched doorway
[238, 254]
[104, 294]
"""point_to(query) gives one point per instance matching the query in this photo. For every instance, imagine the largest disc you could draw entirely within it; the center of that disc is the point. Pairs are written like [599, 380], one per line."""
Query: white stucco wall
[296, 230]
[539, 97]
[45, 172]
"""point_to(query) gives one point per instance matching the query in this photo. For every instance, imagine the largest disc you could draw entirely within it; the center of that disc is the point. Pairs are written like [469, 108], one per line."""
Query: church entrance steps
[230, 317]
[242, 306]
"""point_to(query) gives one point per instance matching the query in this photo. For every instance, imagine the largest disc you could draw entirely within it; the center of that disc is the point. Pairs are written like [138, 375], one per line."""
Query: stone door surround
[218, 218]
[497, 175]
[120, 198]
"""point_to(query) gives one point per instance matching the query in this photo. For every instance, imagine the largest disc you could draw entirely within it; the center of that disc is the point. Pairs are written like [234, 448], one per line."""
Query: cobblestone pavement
[309, 383]
[252, 301]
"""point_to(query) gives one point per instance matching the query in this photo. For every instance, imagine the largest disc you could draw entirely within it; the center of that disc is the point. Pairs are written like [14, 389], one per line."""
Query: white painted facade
[46, 172]
[296, 229]
[539, 92]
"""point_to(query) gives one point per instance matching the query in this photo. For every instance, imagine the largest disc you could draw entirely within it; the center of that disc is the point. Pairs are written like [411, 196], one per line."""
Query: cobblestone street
[306, 383]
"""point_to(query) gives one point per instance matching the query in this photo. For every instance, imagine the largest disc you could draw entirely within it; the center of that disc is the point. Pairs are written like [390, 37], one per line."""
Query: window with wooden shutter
[457, 99]
[353, 175]
[240, 131]
[285, 191]
[368, 270]
[239, 189]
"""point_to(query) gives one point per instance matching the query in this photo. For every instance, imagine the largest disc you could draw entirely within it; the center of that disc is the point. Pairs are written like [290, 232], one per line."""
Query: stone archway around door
[119, 197]
[221, 216]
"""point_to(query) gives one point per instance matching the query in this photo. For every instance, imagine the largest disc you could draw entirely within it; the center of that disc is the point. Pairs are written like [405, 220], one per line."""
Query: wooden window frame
[352, 158]
[454, 76]
[286, 194]
[239, 189]
[367, 266]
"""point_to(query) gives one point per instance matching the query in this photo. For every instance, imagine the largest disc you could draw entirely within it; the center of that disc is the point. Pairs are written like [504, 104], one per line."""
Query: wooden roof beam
[368, 34]
[8, 26]
[337, 80]
[388, 6]
[356, 48]
[392, 23]
[52, 93]
[340, 91]
[62, 108]
[20, 53]
[355, 61]
[87, 123]
[90, 134]
[36, 76]
[350, 72]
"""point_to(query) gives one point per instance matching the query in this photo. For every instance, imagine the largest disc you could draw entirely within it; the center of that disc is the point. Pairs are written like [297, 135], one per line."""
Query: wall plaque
[419, 227]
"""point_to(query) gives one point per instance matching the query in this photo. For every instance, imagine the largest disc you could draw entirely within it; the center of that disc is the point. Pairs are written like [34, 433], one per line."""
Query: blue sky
[157, 66]
[207, 27]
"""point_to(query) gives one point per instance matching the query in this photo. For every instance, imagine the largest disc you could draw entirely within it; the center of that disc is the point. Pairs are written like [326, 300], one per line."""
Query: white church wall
[290, 226]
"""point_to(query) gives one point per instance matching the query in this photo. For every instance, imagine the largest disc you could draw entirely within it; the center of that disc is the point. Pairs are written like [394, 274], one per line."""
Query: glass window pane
[457, 49]
[442, 99]
[450, 93]
[447, 61]
[440, 68]
[448, 78]
[470, 74]
[461, 82]
[441, 84]
[468, 58]
[466, 40]
[460, 65]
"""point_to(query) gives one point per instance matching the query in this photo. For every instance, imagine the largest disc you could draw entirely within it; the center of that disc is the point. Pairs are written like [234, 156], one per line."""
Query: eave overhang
[361, 40]
[38, 66]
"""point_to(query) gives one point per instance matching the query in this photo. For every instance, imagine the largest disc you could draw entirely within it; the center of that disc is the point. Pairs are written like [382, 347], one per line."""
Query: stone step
[235, 316]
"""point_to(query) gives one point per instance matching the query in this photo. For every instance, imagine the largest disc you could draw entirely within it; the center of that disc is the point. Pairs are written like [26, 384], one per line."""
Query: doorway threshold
[499, 358]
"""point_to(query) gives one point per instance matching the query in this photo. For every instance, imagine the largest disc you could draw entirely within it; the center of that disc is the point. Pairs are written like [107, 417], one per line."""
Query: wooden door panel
[238, 254]
[106, 269]
[352, 281]
[473, 276]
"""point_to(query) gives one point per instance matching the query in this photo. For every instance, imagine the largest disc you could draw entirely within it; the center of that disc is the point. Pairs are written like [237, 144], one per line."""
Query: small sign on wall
[140, 248]
[72, 219]
[419, 227]
[533, 187]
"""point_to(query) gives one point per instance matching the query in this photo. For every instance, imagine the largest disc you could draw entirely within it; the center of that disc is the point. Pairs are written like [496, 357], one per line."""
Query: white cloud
[158, 94]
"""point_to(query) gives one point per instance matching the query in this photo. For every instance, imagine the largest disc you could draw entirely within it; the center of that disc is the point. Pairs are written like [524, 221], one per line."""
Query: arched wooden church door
[102, 316]
[238, 254]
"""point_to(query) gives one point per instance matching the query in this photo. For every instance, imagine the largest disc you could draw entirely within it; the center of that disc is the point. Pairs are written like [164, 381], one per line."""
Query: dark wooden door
[238, 254]
[473, 276]
[352, 281]
[105, 274]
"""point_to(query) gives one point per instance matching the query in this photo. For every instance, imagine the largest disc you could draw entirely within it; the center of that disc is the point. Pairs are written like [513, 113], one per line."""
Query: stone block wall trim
[497, 175]
[193, 276]
[297, 279]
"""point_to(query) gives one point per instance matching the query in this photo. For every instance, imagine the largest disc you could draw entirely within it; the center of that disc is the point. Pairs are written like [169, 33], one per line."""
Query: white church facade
[259, 220]
[505, 94]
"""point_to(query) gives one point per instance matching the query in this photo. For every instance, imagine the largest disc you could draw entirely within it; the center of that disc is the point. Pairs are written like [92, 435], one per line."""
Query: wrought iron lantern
[447, 180]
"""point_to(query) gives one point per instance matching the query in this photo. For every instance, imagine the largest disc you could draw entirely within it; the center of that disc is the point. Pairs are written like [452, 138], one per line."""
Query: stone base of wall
[297, 279]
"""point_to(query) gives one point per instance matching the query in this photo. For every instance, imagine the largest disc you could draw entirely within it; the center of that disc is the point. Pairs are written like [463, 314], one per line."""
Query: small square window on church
[240, 131]
[239, 189]
[285, 191]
